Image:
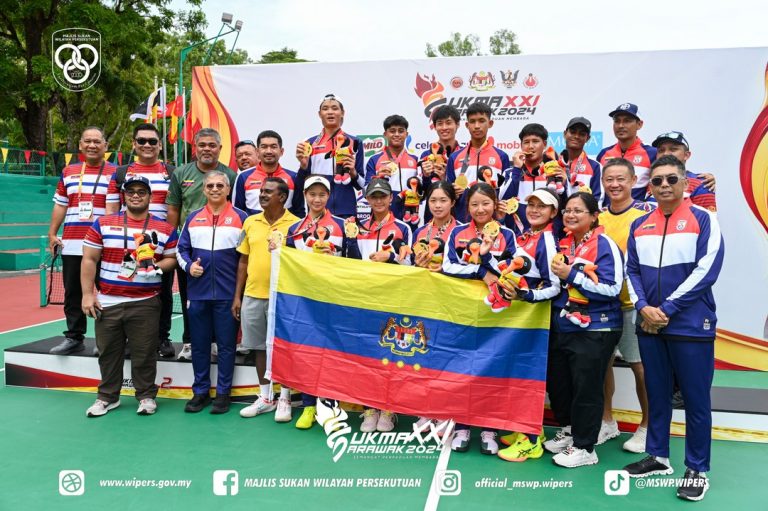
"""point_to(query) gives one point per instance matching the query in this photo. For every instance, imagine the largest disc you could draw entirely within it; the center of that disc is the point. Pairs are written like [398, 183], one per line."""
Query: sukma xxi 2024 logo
[76, 58]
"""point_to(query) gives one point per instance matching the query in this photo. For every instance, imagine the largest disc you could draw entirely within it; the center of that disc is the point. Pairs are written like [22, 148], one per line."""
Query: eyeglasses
[574, 211]
[139, 193]
[672, 179]
[145, 141]
[211, 186]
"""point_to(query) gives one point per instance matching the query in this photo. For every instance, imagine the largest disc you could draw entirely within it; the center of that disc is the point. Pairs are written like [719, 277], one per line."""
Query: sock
[265, 392]
[285, 393]
[533, 438]
[664, 461]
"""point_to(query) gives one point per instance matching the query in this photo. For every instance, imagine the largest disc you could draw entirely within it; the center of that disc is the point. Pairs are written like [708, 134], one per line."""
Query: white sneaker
[460, 442]
[242, 350]
[147, 406]
[185, 353]
[488, 443]
[637, 442]
[608, 430]
[561, 441]
[214, 351]
[100, 408]
[386, 422]
[370, 420]
[573, 457]
[422, 423]
[283, 412]
[258, 407]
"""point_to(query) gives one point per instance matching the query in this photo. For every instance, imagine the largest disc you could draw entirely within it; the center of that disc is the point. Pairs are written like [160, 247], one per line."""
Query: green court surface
[46, 432]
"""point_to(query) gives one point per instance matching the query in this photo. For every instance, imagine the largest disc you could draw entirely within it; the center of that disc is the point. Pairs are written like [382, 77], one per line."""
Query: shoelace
[487, 436]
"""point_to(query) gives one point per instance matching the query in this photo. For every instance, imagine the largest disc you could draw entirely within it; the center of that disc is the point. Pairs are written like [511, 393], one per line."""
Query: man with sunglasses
[146, 146]
[80, 199]
[207, 254]
[185, 194]
[126, 307]
[674, 256]
[246, 155]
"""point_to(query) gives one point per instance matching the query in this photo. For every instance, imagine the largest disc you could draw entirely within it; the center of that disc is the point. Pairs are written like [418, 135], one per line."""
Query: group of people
[626, 248]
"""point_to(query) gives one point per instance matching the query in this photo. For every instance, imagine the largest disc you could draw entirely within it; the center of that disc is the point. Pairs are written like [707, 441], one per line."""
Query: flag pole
[184, 122]
[175, 145]
[162, 109]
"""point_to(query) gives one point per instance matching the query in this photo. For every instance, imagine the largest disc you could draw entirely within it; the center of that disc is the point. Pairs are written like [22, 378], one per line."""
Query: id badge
[127, 270]
[86, 210]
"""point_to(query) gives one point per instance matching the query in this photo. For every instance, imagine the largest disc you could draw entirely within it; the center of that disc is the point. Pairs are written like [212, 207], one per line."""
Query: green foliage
[502, 42]
[280, 56]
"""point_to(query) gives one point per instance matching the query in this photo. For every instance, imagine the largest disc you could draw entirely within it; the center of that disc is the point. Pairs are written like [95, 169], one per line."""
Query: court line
[433, 499]
[32, 326]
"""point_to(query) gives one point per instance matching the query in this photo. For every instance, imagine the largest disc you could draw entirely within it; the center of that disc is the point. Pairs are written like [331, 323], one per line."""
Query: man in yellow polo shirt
[618, 179]
[252, 289]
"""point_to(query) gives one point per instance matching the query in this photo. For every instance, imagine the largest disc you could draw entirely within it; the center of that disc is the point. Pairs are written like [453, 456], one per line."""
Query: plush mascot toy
[575, 309]
[343, 149]
[511, 280]
[552, 171]
[318, 243]
[144, 255]
[411, 200]
[437, 157]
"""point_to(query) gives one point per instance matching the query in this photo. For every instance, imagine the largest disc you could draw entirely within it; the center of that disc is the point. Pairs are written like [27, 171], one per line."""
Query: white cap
[314, 180]
[544, 196]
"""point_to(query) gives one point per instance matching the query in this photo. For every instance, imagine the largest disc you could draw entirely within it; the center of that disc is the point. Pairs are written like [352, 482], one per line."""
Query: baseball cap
[317, 180]
[333, 97]
[544, 196]
[674, 136]
[136, 179]
[378, 186]
[626, 108]
[580, 120]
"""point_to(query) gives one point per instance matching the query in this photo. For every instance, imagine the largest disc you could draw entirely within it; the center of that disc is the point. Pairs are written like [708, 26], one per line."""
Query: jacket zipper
[661, 255]
[213, 266]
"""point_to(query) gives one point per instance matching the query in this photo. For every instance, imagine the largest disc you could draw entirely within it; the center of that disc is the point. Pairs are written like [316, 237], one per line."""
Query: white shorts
[253, 322]
[628, 346]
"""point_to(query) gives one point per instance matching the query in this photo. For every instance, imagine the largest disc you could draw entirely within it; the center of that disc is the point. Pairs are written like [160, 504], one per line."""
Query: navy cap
[580, 120]
[626, 108]
[673, 136]
[132, 179]
[378, 186]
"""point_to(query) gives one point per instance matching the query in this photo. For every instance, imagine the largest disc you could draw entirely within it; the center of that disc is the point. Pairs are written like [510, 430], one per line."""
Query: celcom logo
[448, 482]
[334, 422]
[76, 61]
[226, 482]
[71, 482]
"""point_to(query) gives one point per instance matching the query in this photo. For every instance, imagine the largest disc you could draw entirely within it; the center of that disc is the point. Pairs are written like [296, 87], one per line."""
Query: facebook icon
[226, 482]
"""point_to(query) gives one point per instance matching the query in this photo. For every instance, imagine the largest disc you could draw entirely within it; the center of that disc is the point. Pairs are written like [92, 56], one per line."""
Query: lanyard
[399, 169]
[96, 184]
[310, 226]
[125, 231]
[440, 230]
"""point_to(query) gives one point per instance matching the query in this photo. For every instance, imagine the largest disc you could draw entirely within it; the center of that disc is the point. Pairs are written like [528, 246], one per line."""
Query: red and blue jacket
[583, 171]
[303, 233]
[247, 188]
[604, 306]
[455, 262]
[520, 183]
[343, 201]
[374, 237]
[408, 167]
[467, 161]
[640, 155]
[540, 248]
[214, 240]
[672, 263]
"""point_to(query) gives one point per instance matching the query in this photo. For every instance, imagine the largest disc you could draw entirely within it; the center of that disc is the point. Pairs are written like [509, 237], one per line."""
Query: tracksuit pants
[209, 319]
[692, 365]
[73, 297]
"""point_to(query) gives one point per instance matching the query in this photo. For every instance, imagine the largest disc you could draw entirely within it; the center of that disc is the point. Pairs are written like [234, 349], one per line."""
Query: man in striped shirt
[80, 199]
[127, 306]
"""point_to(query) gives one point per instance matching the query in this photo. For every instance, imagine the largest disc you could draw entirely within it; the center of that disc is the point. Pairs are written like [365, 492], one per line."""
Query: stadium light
[226, 18]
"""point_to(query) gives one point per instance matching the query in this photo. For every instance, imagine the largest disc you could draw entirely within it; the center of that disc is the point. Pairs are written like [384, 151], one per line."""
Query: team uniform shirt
[408, 167]
[186, 188]
[520, 183]
[113, 235]
[467, 161]
[213, 239]
[82, 189]
[640, 155]
[456, 261]
[604, 307]
[540, 248]
[616, 226]
[376, 236]
[343, 199]
[255, 244]
[672, 263]
[429, 179]
[159, 176]
[428, 231]
[303, 234]
[699, 194]
[583, 171]
[247, 189]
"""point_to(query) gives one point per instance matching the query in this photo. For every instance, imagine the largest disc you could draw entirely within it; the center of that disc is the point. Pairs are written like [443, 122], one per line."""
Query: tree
[502, 42]
[281, 56]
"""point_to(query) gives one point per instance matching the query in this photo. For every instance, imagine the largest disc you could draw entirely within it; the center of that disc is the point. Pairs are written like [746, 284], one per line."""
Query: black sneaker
[67, 347]
[694, 486]
[166, 349]
[220, 404]
[197, 403]
[648, 466]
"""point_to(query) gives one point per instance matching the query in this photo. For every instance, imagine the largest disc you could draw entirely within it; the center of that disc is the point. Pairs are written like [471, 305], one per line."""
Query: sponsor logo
[681, 225]
[530, 81]
[509, 78]
[76, 61]
[457, 82]
[637, 159]
[707, 325]
[372, 144]
[228, 220]
[404, 337]
[430, 91]
[482, 81]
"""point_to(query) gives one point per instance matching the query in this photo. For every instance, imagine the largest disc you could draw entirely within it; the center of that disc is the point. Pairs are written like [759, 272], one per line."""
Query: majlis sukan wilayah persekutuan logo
[76, 58]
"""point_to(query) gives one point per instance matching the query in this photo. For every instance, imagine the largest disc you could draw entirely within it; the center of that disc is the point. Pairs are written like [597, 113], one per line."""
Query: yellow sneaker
[522, 450]
[511, 439]
[307, 418]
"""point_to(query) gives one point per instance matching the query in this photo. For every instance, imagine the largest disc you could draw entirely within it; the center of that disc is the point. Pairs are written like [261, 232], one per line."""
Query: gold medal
[277, 237]
[307, 149]
[559, 258]
[512, 205]
[585, 189]
[351, 229]
[461, 181]
[492, 229]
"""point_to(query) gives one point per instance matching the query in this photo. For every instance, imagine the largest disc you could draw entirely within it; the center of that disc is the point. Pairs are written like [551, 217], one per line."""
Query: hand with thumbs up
[196, 269]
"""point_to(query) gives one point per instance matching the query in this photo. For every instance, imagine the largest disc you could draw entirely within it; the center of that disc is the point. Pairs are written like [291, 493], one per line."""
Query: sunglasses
[217, 186]
[139, 193]
[145, 141]
[672, 179]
